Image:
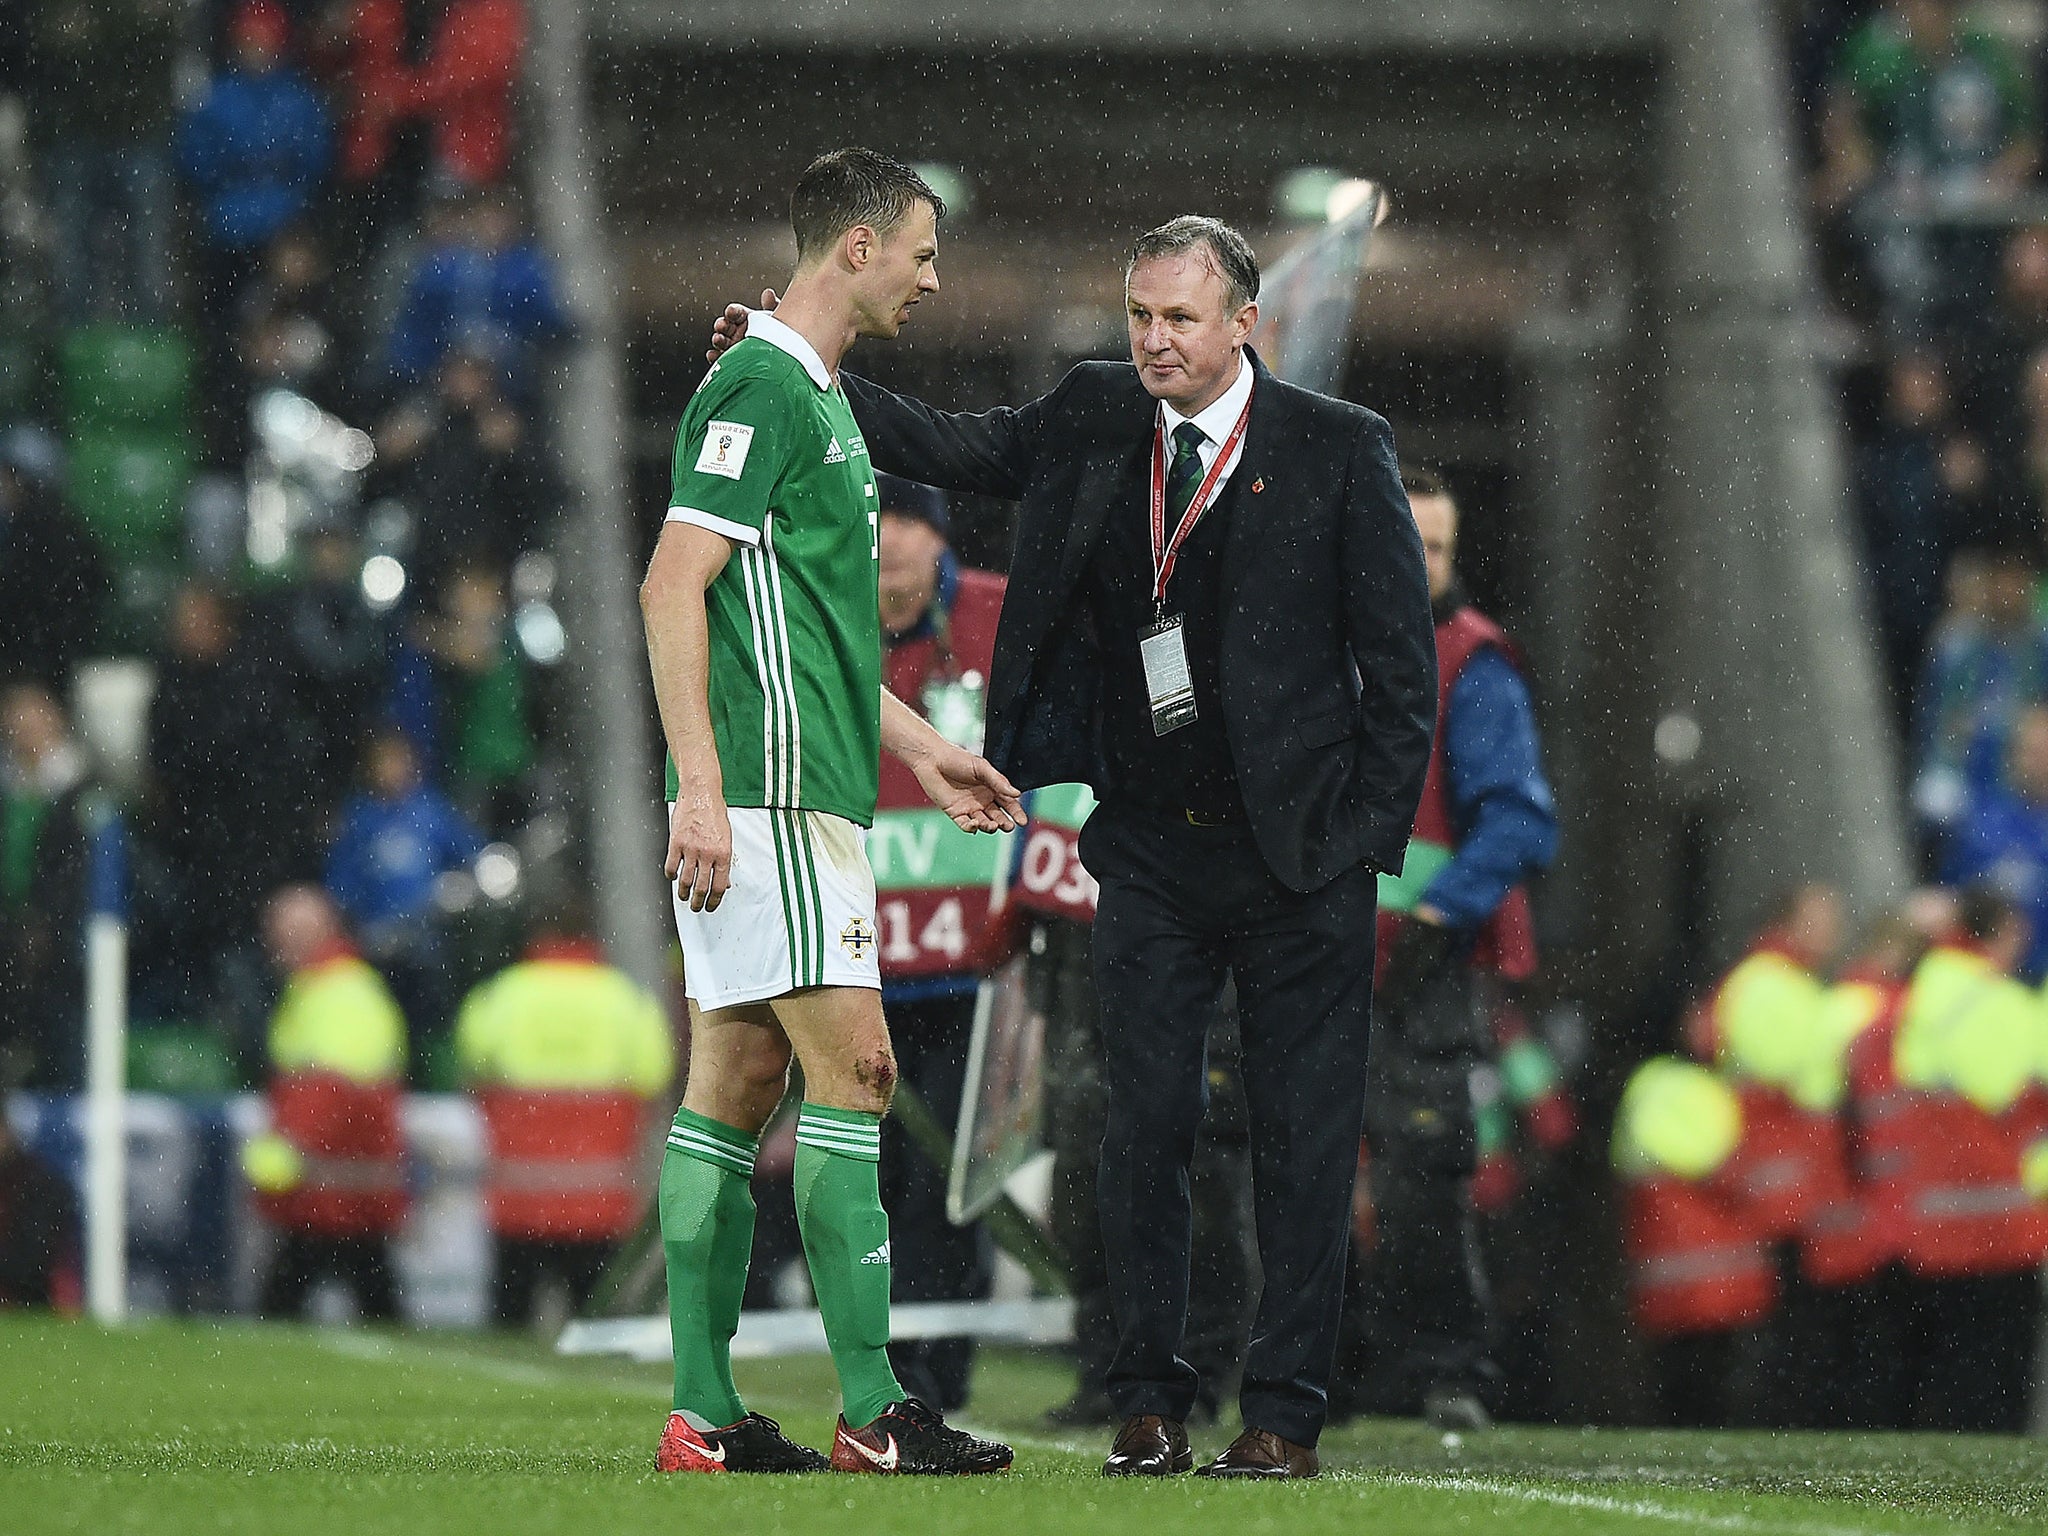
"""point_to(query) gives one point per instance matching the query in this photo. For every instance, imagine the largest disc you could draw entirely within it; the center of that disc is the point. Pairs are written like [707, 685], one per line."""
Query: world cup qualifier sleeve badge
[725, 449]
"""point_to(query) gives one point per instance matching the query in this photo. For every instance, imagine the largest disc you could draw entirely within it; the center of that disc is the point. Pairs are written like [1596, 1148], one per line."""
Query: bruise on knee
[875, 1071]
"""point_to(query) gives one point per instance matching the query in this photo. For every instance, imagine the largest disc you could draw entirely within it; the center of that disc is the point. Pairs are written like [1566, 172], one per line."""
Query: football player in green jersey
[764, 638]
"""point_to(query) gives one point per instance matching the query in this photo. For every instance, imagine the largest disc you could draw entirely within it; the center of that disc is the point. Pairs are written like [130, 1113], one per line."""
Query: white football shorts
[800, 912]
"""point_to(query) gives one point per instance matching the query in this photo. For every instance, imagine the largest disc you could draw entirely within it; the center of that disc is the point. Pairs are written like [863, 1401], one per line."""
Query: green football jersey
[769, 456]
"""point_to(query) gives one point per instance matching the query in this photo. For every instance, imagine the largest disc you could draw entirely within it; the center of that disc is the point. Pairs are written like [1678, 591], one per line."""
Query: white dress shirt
[1215, 422]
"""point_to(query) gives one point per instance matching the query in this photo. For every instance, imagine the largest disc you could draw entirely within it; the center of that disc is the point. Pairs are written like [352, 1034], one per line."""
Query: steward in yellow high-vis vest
[564, 1053]
[1697, 1263]
[329, 1174]
[1943, 1092]
[1849, 1241]
[1771, 1033]
[1967, 1051]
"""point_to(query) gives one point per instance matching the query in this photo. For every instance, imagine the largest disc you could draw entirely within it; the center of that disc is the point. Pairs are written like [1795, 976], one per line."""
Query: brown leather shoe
[1261, 1453]
[1149, 1446]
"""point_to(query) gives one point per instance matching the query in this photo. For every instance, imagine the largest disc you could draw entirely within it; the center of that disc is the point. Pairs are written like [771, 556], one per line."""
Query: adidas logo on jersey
[835, 454]
[880, 1255]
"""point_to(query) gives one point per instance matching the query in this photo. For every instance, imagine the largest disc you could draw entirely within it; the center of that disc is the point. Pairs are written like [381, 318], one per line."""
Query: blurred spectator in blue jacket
[254, 150]
[255, 147]
[2001, 837]
[397, 839]
[1988, 662]
[482, 277]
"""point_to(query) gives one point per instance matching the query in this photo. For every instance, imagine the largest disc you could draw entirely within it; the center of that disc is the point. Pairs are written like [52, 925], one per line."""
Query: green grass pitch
[165, 1429]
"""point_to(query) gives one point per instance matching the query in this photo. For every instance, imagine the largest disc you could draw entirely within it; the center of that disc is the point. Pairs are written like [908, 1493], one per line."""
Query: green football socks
[707, 1236]
[846, 1241]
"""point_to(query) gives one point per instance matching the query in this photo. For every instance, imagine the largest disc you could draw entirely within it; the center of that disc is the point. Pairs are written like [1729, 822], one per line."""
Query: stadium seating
[178, 1058]
[128, 484]
[134, 375]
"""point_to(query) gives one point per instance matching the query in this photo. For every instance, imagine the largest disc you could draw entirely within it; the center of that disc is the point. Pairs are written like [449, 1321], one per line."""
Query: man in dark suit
[1218, 617]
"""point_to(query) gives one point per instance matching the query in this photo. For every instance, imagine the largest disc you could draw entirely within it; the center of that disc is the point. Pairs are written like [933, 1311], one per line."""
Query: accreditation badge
[1168, 685]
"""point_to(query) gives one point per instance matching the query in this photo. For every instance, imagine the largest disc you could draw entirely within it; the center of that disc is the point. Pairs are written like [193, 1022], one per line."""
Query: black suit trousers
[1181, 908]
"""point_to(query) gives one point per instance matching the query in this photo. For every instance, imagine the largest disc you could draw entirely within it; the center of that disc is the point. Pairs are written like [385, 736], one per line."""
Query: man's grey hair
[1229, 252]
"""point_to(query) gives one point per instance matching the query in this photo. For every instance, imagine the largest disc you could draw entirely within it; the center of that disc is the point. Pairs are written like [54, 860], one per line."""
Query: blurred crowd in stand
[1835, 1189]
[276, 506]
[275, 512]
[276, 333]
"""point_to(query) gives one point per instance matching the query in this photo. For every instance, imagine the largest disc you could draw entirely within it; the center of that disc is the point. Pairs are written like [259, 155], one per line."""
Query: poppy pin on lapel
[1258, 485]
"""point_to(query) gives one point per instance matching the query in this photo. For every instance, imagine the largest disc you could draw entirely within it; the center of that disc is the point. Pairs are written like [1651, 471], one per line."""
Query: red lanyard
[1165, 552]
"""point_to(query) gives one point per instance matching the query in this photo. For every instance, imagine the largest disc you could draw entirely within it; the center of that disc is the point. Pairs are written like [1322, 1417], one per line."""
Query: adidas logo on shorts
[835, 454]
[880, 1255]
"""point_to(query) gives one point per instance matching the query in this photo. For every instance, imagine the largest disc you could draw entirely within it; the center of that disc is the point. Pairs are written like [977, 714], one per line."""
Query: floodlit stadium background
[1608, 305]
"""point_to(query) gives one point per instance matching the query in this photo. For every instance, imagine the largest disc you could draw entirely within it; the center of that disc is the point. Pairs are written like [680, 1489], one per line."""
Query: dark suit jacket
[1328, 651]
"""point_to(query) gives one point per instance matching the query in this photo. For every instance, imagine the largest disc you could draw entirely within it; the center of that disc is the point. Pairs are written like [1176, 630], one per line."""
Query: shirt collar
[786, 338]
[1221, 414]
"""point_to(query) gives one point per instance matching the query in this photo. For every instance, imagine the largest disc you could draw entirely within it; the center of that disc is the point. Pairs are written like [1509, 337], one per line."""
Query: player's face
[1185, 336]
[1436, 520]
[901, 271]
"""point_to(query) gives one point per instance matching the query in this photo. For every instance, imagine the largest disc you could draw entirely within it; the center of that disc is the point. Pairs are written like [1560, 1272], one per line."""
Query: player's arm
[960, 783]
[687, 559]
[988, 452]
[731, 450]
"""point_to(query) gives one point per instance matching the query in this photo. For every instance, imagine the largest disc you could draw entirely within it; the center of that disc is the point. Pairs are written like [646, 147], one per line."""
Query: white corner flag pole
[106, 1078]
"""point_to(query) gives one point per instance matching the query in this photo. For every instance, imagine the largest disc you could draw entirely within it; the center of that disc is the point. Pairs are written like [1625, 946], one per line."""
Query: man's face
[910, 570]
[1185, 336]
[902, 268]
[1436, 519]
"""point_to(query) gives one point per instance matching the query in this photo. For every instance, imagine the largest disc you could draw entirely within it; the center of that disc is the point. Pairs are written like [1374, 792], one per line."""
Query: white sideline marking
[767, 1334]
[512, 1372]
[1646, 1509]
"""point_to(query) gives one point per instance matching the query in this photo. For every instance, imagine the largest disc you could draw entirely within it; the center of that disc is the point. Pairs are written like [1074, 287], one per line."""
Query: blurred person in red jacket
[564, 1054]
[329, 1174]
[1700, 1275]
[1847, 1240]
[1944, 1088]
[425, 94]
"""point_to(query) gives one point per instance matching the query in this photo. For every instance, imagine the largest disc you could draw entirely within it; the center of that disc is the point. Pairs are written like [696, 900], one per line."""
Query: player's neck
[823, 318]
